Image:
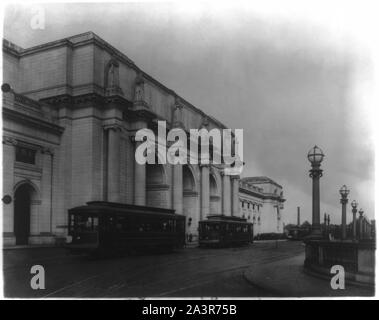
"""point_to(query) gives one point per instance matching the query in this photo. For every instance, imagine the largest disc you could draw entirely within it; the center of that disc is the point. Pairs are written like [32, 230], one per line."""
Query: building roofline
[260, 180]
[91, 37]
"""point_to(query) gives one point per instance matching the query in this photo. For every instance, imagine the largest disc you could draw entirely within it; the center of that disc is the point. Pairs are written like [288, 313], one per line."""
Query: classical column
[46, 223]
[235, 195]
[177, 177]
[177, 187]
[139, 181]
[113, 176]
[204, 191]
[226, 195]
[9, 152]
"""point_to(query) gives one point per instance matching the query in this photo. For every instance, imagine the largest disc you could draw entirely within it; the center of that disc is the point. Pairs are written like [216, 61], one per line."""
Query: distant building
[261, 202]
[297, 232]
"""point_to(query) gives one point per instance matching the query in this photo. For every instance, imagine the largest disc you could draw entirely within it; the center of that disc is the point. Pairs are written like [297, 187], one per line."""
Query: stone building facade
[261, 203]
[71, 109]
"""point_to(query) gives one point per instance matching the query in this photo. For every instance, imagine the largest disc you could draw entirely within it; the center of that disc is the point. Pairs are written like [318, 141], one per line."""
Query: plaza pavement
[287, 278]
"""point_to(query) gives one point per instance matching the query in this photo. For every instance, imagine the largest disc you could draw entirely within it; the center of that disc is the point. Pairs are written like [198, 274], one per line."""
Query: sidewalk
[287, 278]
[270, 241]
[31, 246]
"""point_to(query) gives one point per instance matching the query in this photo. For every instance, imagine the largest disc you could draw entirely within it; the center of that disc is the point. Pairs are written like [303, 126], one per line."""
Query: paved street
[188, 272]
[185, 273]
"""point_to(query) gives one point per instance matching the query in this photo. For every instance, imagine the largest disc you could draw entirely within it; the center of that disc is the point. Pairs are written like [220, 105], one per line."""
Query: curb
[253, 280]
[270, 241]
[31, 247]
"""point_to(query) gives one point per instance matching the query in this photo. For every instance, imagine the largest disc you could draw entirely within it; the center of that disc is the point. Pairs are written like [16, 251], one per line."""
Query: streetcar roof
[104, 207]
[222, 218]
[224, 221]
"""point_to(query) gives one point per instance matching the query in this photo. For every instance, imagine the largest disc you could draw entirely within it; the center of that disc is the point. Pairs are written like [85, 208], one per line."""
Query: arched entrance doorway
[22, 209]
[215, 203]
[157, 191]
[190, 204]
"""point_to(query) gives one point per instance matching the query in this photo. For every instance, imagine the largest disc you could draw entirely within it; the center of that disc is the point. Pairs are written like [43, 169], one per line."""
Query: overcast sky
[290, 77]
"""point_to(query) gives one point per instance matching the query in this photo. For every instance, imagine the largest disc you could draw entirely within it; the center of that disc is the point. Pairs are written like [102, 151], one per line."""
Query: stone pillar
[316, 204]
[315, 174]
[113, 177]
[139, 181]
[226, 195]
[360, 224]
[177, 188]
[204, 191]
[298, 216]
[343, 224]
[235, 195]
[45, 214]
[354, 223]
[9, 153]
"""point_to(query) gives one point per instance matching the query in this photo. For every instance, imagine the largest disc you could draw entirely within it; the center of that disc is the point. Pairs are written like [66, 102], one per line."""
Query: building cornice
[32, 121]
[260, 180]
[252, 193]
[263, 196]
[85, 100]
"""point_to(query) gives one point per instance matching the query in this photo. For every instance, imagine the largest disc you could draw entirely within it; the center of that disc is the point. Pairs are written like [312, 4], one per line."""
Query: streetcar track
[125, 270]
[133, 276]
[156, 283]
[69, 286]
[217, 273]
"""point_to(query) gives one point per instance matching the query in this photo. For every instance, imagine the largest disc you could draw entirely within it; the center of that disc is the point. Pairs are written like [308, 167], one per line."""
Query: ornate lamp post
[344, 191]
[325, 225]
[361, 224]
[328, 226]
[354, 205]
[315, 157]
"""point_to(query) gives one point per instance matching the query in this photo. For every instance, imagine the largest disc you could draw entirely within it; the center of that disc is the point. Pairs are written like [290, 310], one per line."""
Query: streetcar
[224, 231]
[103, 228]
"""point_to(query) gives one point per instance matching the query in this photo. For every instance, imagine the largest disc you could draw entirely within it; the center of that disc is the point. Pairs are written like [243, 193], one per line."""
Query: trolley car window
[107, 223]
[95, 223]
[165, 226]
[82, 223]
[211, 227]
